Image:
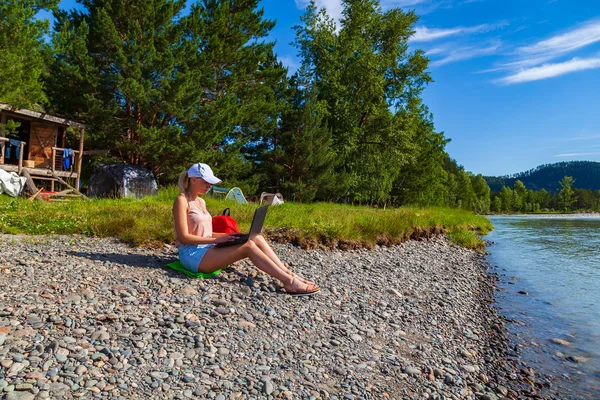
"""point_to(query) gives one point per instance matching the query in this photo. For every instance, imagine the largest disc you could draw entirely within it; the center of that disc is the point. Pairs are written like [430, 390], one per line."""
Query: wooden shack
[38, 148]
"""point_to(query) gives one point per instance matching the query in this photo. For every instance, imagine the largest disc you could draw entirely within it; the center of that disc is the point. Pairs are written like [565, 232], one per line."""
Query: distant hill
[585, 173]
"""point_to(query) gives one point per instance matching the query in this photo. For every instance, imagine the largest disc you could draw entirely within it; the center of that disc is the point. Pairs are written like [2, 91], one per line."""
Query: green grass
[149, 221]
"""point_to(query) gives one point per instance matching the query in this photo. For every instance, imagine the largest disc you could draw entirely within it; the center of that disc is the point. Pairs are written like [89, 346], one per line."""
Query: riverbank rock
[89, 317]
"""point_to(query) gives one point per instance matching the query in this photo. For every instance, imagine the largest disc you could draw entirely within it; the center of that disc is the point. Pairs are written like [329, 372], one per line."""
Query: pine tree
[466, 195]
[119, 65]
[566, 196]
[423, 180]
[496, 204]
[302, 159]
[22, 50]
[362, 71]
[507, 199]
[482, 195]
[240, 81]
[162, 90]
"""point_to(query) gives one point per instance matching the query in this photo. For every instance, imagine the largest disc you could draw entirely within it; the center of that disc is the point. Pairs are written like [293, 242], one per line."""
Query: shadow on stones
[157, 262]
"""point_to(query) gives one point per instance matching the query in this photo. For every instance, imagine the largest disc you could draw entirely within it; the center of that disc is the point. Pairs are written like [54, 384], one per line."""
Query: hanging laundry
[67, 159]
[16, 144]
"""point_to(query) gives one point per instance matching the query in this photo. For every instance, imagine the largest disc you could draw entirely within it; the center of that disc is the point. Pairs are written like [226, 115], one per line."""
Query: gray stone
[223, 351]
[159, 375]
[190, 353]
[15, 368]
[20, 396]
[358, 338]
[60, 358]
[268, 388]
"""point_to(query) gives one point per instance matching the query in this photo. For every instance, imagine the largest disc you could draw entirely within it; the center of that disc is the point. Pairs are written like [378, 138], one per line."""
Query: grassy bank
[149, 221]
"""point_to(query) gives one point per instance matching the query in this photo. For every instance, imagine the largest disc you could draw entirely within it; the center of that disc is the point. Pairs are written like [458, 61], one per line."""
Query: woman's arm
[181, 227]
[218, 234]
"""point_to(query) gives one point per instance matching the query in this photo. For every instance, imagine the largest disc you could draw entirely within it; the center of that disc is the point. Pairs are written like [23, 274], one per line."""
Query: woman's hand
[226, 237]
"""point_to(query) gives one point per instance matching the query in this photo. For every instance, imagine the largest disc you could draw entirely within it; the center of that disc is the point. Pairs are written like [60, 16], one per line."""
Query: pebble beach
[88, 317]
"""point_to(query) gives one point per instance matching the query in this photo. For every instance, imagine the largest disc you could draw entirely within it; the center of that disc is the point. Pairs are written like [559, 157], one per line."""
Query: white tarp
[277, 201]
[273, 199]
[11, 183]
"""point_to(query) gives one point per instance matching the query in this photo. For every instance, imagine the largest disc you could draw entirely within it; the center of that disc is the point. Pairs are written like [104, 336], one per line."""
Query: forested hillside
[165, 83]
[586, 175]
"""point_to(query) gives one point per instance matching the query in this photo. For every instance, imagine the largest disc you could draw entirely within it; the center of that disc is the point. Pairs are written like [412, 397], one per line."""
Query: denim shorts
[190, 255]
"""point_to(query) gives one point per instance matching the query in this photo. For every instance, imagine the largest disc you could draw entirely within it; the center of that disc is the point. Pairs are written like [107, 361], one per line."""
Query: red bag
[224, 223]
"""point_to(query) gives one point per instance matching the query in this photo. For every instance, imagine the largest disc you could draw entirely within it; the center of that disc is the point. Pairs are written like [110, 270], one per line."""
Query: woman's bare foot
[298, 276]
[300, 288]
[304, 280]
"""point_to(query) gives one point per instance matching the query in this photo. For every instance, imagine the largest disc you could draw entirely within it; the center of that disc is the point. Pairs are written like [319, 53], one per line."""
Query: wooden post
[2, 142]
[21, 148]
[53, 167]
[69, 186]
[30, 184]
[53, 159]
[79, 158]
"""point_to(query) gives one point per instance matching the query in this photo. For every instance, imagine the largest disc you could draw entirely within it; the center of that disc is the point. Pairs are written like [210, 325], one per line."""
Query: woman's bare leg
[218, 258]
[266, 248]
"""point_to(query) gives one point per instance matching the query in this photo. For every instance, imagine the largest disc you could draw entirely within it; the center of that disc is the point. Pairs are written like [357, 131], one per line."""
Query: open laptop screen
[258, 221]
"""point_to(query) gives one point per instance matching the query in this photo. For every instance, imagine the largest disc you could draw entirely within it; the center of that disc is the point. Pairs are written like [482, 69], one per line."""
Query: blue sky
[517, 82]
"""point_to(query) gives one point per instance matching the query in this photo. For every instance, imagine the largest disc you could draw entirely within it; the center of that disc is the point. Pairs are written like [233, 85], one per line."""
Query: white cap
[203, 171]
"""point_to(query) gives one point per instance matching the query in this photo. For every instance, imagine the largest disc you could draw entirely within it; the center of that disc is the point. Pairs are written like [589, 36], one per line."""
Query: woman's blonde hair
[183, 183]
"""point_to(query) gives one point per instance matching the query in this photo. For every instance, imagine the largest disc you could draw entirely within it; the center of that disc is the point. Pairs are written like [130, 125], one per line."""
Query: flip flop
[304, 294]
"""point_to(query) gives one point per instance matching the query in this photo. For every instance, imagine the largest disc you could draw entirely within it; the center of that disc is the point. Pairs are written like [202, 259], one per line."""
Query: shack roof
[40, 115]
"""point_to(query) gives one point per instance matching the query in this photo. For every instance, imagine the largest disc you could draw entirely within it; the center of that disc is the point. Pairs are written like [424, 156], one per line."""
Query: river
[549, 288]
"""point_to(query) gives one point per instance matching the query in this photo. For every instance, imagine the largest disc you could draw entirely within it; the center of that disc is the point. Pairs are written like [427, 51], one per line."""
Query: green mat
[176, 266]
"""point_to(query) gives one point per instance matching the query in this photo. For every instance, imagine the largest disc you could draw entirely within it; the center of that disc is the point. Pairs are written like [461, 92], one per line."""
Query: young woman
[196, 240]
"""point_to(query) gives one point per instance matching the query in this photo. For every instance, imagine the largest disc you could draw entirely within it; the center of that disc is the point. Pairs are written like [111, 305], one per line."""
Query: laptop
[255, 228]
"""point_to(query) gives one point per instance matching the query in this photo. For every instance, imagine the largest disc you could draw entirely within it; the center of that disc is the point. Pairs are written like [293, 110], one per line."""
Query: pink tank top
[198, 219]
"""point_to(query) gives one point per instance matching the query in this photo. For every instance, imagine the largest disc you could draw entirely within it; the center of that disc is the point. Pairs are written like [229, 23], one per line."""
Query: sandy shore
[85, 317]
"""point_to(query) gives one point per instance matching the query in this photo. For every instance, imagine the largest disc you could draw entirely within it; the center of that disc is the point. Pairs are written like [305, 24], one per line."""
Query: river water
[554, 262]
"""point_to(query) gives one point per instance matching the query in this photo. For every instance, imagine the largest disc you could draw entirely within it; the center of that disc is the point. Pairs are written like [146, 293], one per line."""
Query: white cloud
[551, 70]
[425, 6]
[548, 49]
[524, 63]
[334, 7]
[580, 137]
[535, 61]
[424, 34]
[582, 36]
[466, 53]
[437, 50]
[576, 154]
[401, 3]
[291, 63]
